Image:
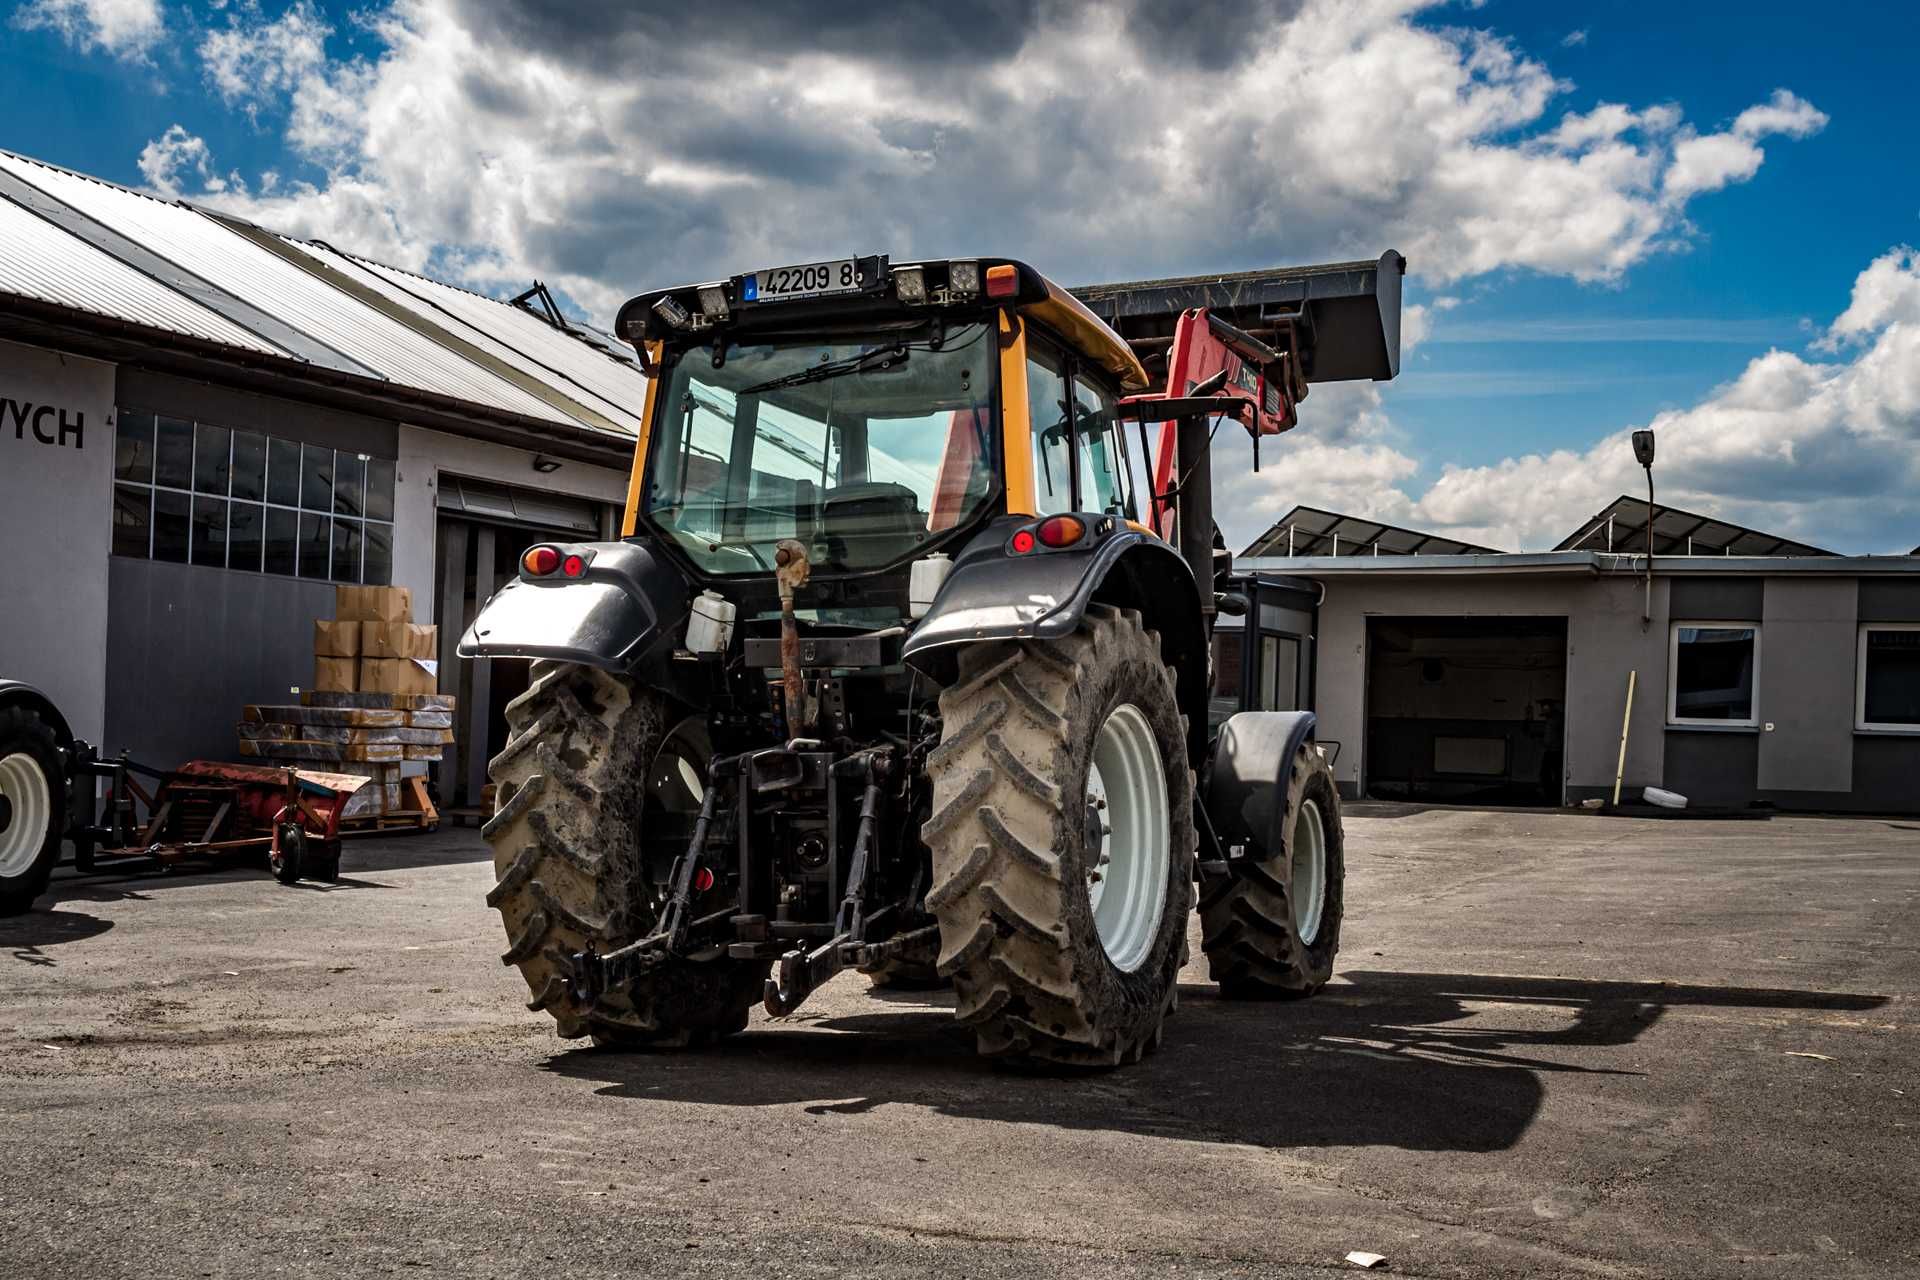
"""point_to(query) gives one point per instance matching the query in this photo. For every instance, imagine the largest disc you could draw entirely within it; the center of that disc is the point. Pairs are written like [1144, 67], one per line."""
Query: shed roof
[104, 250]
[1313, 531]
[1621, 526]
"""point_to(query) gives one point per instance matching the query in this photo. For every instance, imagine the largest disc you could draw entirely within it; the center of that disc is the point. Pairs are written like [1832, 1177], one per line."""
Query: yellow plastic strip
[1016, 427]
[634, 478]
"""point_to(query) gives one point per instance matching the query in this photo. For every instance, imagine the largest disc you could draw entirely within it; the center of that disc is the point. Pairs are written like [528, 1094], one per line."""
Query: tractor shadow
[26, 937]
[1415, 1061]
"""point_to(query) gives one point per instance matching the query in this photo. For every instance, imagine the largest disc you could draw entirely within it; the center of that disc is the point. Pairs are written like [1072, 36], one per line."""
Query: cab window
[1051, 411]
[1101, 444]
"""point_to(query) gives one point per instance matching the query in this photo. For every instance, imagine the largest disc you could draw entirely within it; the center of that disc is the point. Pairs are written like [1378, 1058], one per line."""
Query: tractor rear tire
[1017, 843]
[1256, 945]
[571, 787]
[33, 807]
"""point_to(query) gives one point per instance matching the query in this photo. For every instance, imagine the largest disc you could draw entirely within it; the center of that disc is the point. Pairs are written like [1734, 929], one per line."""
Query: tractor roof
[851, 290]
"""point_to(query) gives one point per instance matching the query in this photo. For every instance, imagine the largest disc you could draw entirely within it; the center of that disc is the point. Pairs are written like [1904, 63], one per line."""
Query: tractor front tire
[1017, 842]
[571, 787]
[33, 807]
[1270, 929]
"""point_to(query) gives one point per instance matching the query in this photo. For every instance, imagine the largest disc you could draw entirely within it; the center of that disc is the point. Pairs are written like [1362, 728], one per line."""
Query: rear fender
[993, 594]
[18, 693]
[1244, 789]
[628, 607]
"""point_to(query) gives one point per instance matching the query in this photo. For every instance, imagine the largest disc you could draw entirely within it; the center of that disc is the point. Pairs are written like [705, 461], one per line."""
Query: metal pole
[1626, 720]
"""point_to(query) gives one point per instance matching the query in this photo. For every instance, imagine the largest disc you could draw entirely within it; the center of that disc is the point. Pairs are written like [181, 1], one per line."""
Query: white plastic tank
[710, 628]
[928, 576]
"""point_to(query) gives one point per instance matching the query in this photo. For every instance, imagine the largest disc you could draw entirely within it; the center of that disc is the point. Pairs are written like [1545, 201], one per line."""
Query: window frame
[1676, 721]
[194, 495]
[1860, 722]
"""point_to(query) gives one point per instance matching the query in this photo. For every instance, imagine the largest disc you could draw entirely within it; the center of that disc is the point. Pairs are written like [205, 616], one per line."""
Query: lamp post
[1643, 454]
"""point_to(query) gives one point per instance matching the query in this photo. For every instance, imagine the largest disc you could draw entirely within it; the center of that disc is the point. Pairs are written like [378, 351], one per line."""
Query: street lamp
[1643, 454]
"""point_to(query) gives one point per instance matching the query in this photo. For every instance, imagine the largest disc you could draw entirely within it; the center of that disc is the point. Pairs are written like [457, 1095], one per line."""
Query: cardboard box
[398, 675]
[372, 604]
[336, 675]
[332, 639]
[398, 640]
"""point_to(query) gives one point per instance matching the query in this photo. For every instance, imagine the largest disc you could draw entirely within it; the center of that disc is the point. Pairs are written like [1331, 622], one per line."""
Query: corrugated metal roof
[601, 383]
[615, 386]
[206, 247]
[43, 262]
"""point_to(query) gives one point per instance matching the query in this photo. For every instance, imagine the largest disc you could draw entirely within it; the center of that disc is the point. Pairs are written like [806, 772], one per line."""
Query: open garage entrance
[1467, 710]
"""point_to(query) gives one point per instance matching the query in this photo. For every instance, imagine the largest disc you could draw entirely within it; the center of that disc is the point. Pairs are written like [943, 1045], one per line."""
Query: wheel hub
[1128, 845]
[26, 809]
[1309, 868]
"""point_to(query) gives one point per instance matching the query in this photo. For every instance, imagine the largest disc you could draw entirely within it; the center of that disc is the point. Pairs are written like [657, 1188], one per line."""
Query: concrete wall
[425, 454]
[56, 513]
[1604, 642]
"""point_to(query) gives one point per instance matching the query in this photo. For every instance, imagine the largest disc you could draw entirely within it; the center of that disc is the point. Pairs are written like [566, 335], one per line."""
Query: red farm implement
[207, 810]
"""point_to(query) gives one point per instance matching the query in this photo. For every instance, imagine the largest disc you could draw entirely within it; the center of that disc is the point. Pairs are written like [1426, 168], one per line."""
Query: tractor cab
[873, 413]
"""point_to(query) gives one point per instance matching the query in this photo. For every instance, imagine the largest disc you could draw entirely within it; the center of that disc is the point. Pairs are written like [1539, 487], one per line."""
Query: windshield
[862, 448]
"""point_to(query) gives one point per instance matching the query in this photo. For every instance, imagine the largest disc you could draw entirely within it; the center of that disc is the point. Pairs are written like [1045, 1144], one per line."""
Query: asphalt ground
[1557, 1044]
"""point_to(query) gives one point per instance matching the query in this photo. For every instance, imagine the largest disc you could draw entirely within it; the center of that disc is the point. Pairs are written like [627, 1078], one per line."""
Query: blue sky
[490, 141]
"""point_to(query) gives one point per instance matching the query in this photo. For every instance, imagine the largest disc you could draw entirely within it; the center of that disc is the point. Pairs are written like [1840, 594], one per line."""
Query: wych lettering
[48, 423]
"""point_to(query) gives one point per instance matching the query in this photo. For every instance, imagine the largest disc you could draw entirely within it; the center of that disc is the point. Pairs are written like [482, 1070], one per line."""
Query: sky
[1697, 217]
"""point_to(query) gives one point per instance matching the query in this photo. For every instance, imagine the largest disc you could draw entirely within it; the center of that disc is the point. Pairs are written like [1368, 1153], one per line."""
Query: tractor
[901, 663]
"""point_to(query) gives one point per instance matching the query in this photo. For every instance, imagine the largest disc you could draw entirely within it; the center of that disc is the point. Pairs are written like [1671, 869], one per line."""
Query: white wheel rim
[31, 803]
[1127, 878]
[1309, 872]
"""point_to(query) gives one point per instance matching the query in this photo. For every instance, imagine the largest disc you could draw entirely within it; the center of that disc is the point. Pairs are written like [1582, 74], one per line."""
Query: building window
[225, 498]
[1711, 671]
[1888, 696]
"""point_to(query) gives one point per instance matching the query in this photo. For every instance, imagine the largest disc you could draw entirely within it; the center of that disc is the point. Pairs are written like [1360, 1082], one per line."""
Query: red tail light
[1022, 542]
[540, 561]
[1061, 531]
[573, 566]
[702, 880]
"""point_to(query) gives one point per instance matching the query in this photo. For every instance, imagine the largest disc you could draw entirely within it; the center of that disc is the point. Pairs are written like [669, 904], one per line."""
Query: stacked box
[375, 710]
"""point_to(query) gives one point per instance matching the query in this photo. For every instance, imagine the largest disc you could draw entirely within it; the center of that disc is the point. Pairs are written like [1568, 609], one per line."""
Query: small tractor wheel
[33, 806]
[287, 859]
[590, 760]
[1063, 840]
[1270, 929]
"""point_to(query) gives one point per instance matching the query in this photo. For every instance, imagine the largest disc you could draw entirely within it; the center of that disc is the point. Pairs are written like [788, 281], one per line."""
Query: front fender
[627, 604]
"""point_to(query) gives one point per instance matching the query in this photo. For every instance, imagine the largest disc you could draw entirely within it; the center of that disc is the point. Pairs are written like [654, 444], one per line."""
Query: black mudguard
[628, 608]
[1244, 789]
[994, 594]
[18, 693]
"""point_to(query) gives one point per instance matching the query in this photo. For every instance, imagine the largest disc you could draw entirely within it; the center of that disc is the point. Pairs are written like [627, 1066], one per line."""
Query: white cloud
[250, 62]
[1824, 451]
[126, 29]
[173, 157]
[1574, 39]
[605, 152]
[1712, 161]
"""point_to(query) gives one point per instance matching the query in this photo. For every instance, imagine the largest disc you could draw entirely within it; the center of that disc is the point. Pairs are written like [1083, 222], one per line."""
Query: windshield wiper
[878, 358]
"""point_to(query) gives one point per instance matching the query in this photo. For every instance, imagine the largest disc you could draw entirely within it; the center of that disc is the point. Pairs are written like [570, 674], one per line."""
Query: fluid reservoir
[711, 626]
[929, 575]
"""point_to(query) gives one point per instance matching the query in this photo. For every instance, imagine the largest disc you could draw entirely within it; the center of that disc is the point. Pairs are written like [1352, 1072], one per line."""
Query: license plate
[847, 275]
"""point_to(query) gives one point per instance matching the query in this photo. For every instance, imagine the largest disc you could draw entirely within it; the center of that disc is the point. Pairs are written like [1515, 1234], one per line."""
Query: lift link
[595, 974]
[802, 972]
